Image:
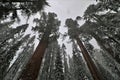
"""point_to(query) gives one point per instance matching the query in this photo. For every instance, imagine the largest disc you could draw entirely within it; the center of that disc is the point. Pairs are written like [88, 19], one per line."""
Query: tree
[26, 50]
[47, 67]
[52, 65]
[50, 25]
[102, 23]
[12, 33]
[27, 6]
[65, 59]
[73, 32]
[59, 75]
[105, 26]
[104, 61]
[71, 68]
[10, 43]
[80, 69]
[108, 21]
[106, 64]
[108, 4]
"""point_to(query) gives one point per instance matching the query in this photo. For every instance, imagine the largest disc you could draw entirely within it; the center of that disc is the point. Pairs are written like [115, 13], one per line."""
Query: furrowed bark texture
[32, 68]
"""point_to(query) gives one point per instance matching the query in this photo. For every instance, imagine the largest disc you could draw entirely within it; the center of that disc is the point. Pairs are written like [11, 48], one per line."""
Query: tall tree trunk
[31, 70]
[93, 69]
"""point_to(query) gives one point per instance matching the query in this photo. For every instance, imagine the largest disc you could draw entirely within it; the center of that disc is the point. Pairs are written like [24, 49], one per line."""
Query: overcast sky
[68, 8]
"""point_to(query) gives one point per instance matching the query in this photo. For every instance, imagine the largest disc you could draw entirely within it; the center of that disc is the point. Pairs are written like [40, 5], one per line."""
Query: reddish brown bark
[93, 69]
[32, 68]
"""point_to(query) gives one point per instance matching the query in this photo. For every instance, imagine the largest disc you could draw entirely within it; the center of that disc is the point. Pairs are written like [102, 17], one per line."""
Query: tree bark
[93, 69]
[32, 68]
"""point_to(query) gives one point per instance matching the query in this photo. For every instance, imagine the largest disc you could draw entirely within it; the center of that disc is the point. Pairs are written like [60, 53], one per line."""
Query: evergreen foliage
[10, 43]
[26, 6]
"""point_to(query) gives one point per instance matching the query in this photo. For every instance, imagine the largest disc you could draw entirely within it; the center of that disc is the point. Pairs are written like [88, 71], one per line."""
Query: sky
[68, 9]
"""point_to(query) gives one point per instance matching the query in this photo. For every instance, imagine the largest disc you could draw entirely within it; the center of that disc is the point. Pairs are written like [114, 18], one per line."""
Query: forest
[30, 46]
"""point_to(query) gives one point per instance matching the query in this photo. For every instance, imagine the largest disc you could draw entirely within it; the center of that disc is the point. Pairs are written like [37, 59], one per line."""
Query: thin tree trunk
[32, 68]
[93, 69]
[108, 49]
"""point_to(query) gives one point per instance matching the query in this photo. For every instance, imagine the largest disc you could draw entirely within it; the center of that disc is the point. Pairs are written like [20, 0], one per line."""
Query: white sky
[68, 9]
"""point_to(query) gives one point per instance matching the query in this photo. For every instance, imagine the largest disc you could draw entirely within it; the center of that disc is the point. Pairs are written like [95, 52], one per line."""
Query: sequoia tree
[48, 24]
[11, 39]
[73, 32]
[104, 27]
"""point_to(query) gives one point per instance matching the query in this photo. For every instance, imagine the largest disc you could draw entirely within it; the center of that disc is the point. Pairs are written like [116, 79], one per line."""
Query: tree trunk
[93, 69]
[32, 68]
